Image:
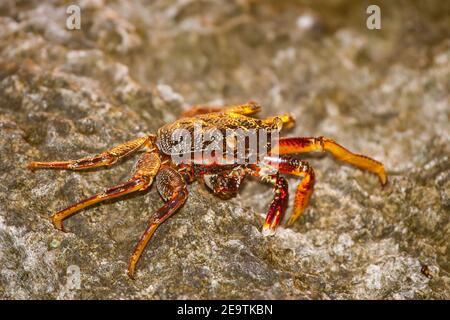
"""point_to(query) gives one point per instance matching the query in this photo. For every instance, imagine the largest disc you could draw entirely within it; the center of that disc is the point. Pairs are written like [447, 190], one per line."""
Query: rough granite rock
[134, 65]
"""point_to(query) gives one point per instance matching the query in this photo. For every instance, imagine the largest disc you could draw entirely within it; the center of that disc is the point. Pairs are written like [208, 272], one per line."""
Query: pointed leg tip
[131, 273]
[383, 178]
[291, 221]
[267, 231]
[58, 225]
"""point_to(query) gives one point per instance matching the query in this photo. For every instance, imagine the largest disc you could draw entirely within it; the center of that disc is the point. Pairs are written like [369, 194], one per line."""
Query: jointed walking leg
[106, 158]
[172, 187]
[277, 206]
[279, 202]
[245, 109]
[305, 187]
[146, 168]
[308, 144]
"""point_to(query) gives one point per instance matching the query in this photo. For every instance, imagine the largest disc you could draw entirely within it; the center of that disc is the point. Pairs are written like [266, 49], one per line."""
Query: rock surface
[134, 65]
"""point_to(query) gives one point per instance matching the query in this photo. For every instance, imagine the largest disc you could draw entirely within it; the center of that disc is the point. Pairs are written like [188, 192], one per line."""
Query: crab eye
[278, 123]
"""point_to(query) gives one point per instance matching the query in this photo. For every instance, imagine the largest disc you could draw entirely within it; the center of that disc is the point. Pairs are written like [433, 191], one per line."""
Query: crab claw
[277, 207]
[268, 231]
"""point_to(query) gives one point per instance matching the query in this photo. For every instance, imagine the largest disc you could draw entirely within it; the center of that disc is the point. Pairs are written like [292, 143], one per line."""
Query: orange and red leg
[278, 204]
[171, 185]
[146, 168]
[308, 144]
[248, 108]
[269, 170]
[106, 158]
[172, 188]
[304, 189]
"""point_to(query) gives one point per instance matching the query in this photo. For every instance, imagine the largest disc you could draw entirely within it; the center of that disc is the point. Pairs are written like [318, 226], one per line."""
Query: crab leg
[245, 109]
[279, 202]
[172, 187]
[305, 187]
[286, 119]
[146, 168]
[106, 158]
[278, 205]
[308, 144]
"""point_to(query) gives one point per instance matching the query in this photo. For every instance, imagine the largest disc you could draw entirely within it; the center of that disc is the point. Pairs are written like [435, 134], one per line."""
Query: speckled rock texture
[134, 65]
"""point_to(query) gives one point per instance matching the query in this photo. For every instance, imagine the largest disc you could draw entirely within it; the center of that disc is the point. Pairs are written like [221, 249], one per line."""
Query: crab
[223, 175]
